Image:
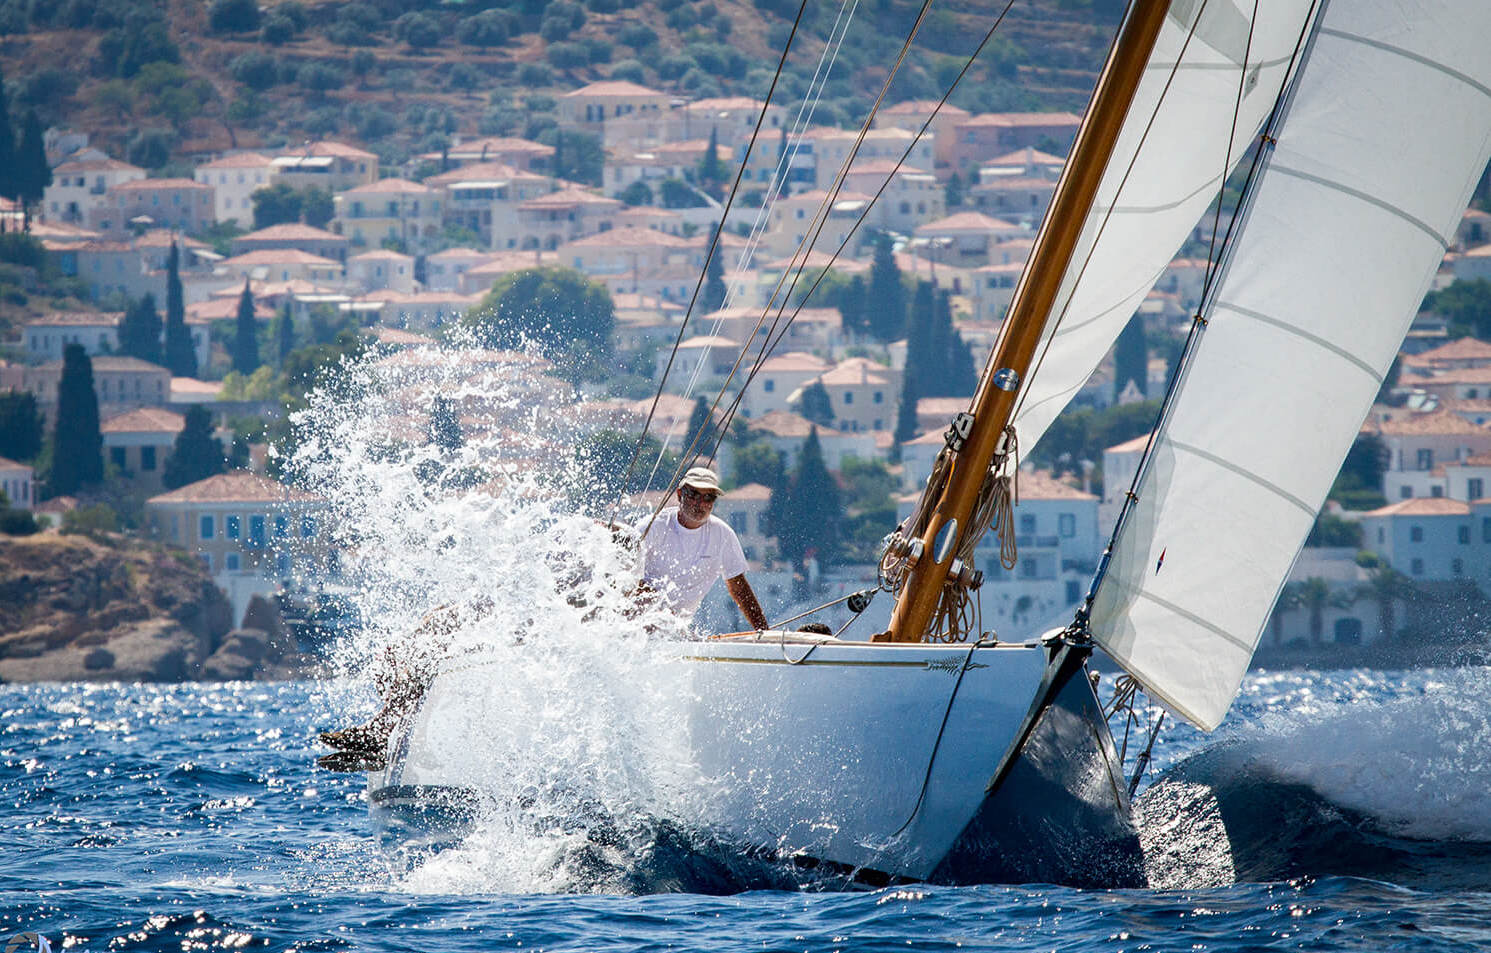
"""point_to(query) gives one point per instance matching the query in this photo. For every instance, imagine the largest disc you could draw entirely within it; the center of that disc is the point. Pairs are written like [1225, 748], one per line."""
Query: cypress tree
[906, 425]
[1131, 358]
[701, 432]
[31, 162]
[284, 334]
[887, 302]
[181, 357]
[10, 182]
[139, 330]
[197, 454]
[20, 425]
[853, 302]
[246, 335]
[715, 291]
[445, 425]
[816, 405]
[77, 445]
[807, 511]
[711, 170]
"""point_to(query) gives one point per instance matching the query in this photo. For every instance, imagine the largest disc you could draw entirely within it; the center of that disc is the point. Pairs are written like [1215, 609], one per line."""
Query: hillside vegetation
[155, 81]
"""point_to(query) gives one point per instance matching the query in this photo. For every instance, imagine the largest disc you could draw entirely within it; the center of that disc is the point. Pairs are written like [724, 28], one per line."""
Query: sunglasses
[691, 494]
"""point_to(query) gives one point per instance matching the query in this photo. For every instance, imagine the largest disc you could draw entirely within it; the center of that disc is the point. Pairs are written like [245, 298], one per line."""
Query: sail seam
[1435, 65]
[1366, 197]
[1215, 67]
[1206, 186]
[1245, 644]
[1226, 464]
[1299, 332]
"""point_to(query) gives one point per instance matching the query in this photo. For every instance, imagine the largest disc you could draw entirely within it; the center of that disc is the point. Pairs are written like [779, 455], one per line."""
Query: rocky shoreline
[114, 610]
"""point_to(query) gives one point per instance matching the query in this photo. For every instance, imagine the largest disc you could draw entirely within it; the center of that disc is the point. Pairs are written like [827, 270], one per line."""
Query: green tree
[636, 194]
[284, 334]
[907, 427]
[560, 310]
[807, 512]
[1358, 485]
[886, 306]
[10, 172]
[715, 290]
[700, 437]
[1131, 358]
[233, 16]
[245, 334]
[816, 405]
[140, 330]
[711, 169]
[953, 192]
[758, 462]
[276, 204]
[35, 172]
[853, 301]
[197, 453]
[77, 444]
[445, 424]
[316, 207]
[1466, 305]
[1387, 587]
[20, 425]
[180, 355]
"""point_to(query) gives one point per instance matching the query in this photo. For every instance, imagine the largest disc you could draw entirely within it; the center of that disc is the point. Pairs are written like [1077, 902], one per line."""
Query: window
[232, 563]
[1486, 529]
[281, 527]
[1381, 535]
[1066, 525]
[235, 530]
[738, 522]
[1405, 492]
[1027, 525]
[1474, 489]
[1416, 534]
[848, 397]
[879, 397]
[1457, 566]
[307, 527]
[206, 529]
[1426, 459]
[256, 530]
[1416, 567]
[147, 458]
[116, 457]
[1436, 491]
[769, 386]
[1463, 534]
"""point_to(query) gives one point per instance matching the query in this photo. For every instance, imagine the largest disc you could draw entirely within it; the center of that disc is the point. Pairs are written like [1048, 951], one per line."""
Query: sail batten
[1387, 128]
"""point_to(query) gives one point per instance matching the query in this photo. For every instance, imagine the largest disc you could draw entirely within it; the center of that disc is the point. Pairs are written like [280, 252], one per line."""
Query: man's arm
[745, 598]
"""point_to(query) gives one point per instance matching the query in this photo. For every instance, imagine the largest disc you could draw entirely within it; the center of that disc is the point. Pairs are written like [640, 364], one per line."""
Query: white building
[234, 179]
[97, 331]
[17, 483]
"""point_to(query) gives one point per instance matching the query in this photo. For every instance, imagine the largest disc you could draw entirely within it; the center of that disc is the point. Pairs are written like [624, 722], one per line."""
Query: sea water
[1333, 811]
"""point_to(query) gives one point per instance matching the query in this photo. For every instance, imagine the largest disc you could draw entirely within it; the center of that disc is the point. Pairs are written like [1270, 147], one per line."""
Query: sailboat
[935, 752]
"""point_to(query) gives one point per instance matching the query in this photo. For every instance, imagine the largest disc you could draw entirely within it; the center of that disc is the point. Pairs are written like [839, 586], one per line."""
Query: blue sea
[192, 817]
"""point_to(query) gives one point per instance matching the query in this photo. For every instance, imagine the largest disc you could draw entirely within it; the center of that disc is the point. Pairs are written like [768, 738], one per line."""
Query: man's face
[694, 506]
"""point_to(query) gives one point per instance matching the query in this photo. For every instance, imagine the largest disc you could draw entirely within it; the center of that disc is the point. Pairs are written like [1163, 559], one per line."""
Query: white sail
[1387, 133]
[1181, 127]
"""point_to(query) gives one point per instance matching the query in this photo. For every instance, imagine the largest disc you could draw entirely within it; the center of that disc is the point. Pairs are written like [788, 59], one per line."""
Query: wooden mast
[1029, 311]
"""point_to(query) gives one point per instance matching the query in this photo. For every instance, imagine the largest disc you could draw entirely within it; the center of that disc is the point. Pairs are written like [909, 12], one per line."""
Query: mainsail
[1386, 131]
[1212, 81]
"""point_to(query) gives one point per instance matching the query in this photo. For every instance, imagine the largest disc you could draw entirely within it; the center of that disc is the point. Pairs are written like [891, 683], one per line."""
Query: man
[687, 546]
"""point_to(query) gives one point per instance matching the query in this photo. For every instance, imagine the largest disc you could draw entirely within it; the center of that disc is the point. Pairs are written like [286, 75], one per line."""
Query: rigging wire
[775, 336]
[713, 245]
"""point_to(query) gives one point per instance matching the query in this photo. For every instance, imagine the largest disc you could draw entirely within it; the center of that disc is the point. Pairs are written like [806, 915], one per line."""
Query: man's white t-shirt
[682, 563]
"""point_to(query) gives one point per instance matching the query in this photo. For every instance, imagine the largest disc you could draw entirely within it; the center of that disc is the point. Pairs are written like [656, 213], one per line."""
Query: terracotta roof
[63, 231]
[883, 167]
[710, 341]
[191, 386]
[818, 195]
[239, 160]
[146, 185]
[784, 423]
[1135, 445]
[1024, 119]
[239, 486]
[795, 361]
[381, 254]
[389, 187]
[278, 256]
[1424, 506]
[1024, 157]
[568, 196]
[857, 370]
[750, 491]
[398, 336]
[493, 144]
[504, 262]
[968, 222]
[726, 102]
[1439, 422]
[224, 308]
[77, 319]
[923, 107]
[612, 87]
[457, 253]
[328, 147]
[163, 237]
[112, 363]
[481, 172]
[97, 165]
[1040, 485]
[144, 420]
[8, 464]
[291, 232]
[1463, 349]
[630, 236]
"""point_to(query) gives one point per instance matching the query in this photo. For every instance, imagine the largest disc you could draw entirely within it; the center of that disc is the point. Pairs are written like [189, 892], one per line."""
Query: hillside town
[275, 253]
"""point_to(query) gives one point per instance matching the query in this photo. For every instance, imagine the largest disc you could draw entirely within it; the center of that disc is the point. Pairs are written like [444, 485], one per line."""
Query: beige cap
[702, 478]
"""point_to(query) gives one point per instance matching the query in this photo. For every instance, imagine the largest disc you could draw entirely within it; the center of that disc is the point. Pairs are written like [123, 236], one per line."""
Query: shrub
[629, 70]
[93, 520]
[17, 522]
[463, 76]
[603, 6]
[674, 65]
[320, 77]
[535, 74]
[255, 70]
[719, 60]
[596, 50]
[373, 122]
[278, 29]
[419, 30]
[639, 36]
[681, 18]
[486, 29]
[233, 16]
[567, 55]
[47, 88]
[150, 148]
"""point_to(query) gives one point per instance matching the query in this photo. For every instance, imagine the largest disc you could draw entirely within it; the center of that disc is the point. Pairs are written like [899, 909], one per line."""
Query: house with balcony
[80, 187]
[306, 238]
[795, 220]
[394, 212]
[731, 119]
[786, 432]
[964, 238]
[522, 154]
[909, 196]
[253, 533]
[996, 134]
[881, 149]
[1420, 445]
[778, 378]
[1017, 198]
[483, 198]
[120, 383]
[234, 180]
[618, 113]
[281, 265]
[1433, 539]
[180, 204]
[864, 395]
[326, 165]
[382, 270]
[627, 253]
[548, 221]
[911, 116]
[479, 278]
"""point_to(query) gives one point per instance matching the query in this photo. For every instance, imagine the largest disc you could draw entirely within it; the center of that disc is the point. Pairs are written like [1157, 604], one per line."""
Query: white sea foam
[557, 696]
[1416, 762]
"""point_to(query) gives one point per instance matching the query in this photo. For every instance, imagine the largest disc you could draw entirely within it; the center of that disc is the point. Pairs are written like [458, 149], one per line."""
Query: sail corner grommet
[1006, 378]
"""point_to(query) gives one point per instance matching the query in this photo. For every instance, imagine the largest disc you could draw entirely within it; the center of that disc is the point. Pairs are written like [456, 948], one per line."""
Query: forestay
[1178, 142]
[1387, 132]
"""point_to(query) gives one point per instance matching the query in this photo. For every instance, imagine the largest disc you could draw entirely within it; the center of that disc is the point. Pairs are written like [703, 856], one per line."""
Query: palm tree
[1387, 586]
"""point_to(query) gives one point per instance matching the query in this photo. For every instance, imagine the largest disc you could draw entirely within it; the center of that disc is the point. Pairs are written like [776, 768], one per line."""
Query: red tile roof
[239, 486]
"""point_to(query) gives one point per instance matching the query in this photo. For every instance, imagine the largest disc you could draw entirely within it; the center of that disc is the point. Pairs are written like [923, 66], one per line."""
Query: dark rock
[98, 659]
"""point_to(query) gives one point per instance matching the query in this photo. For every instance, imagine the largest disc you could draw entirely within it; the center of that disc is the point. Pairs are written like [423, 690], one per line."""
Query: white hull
[877, 758]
